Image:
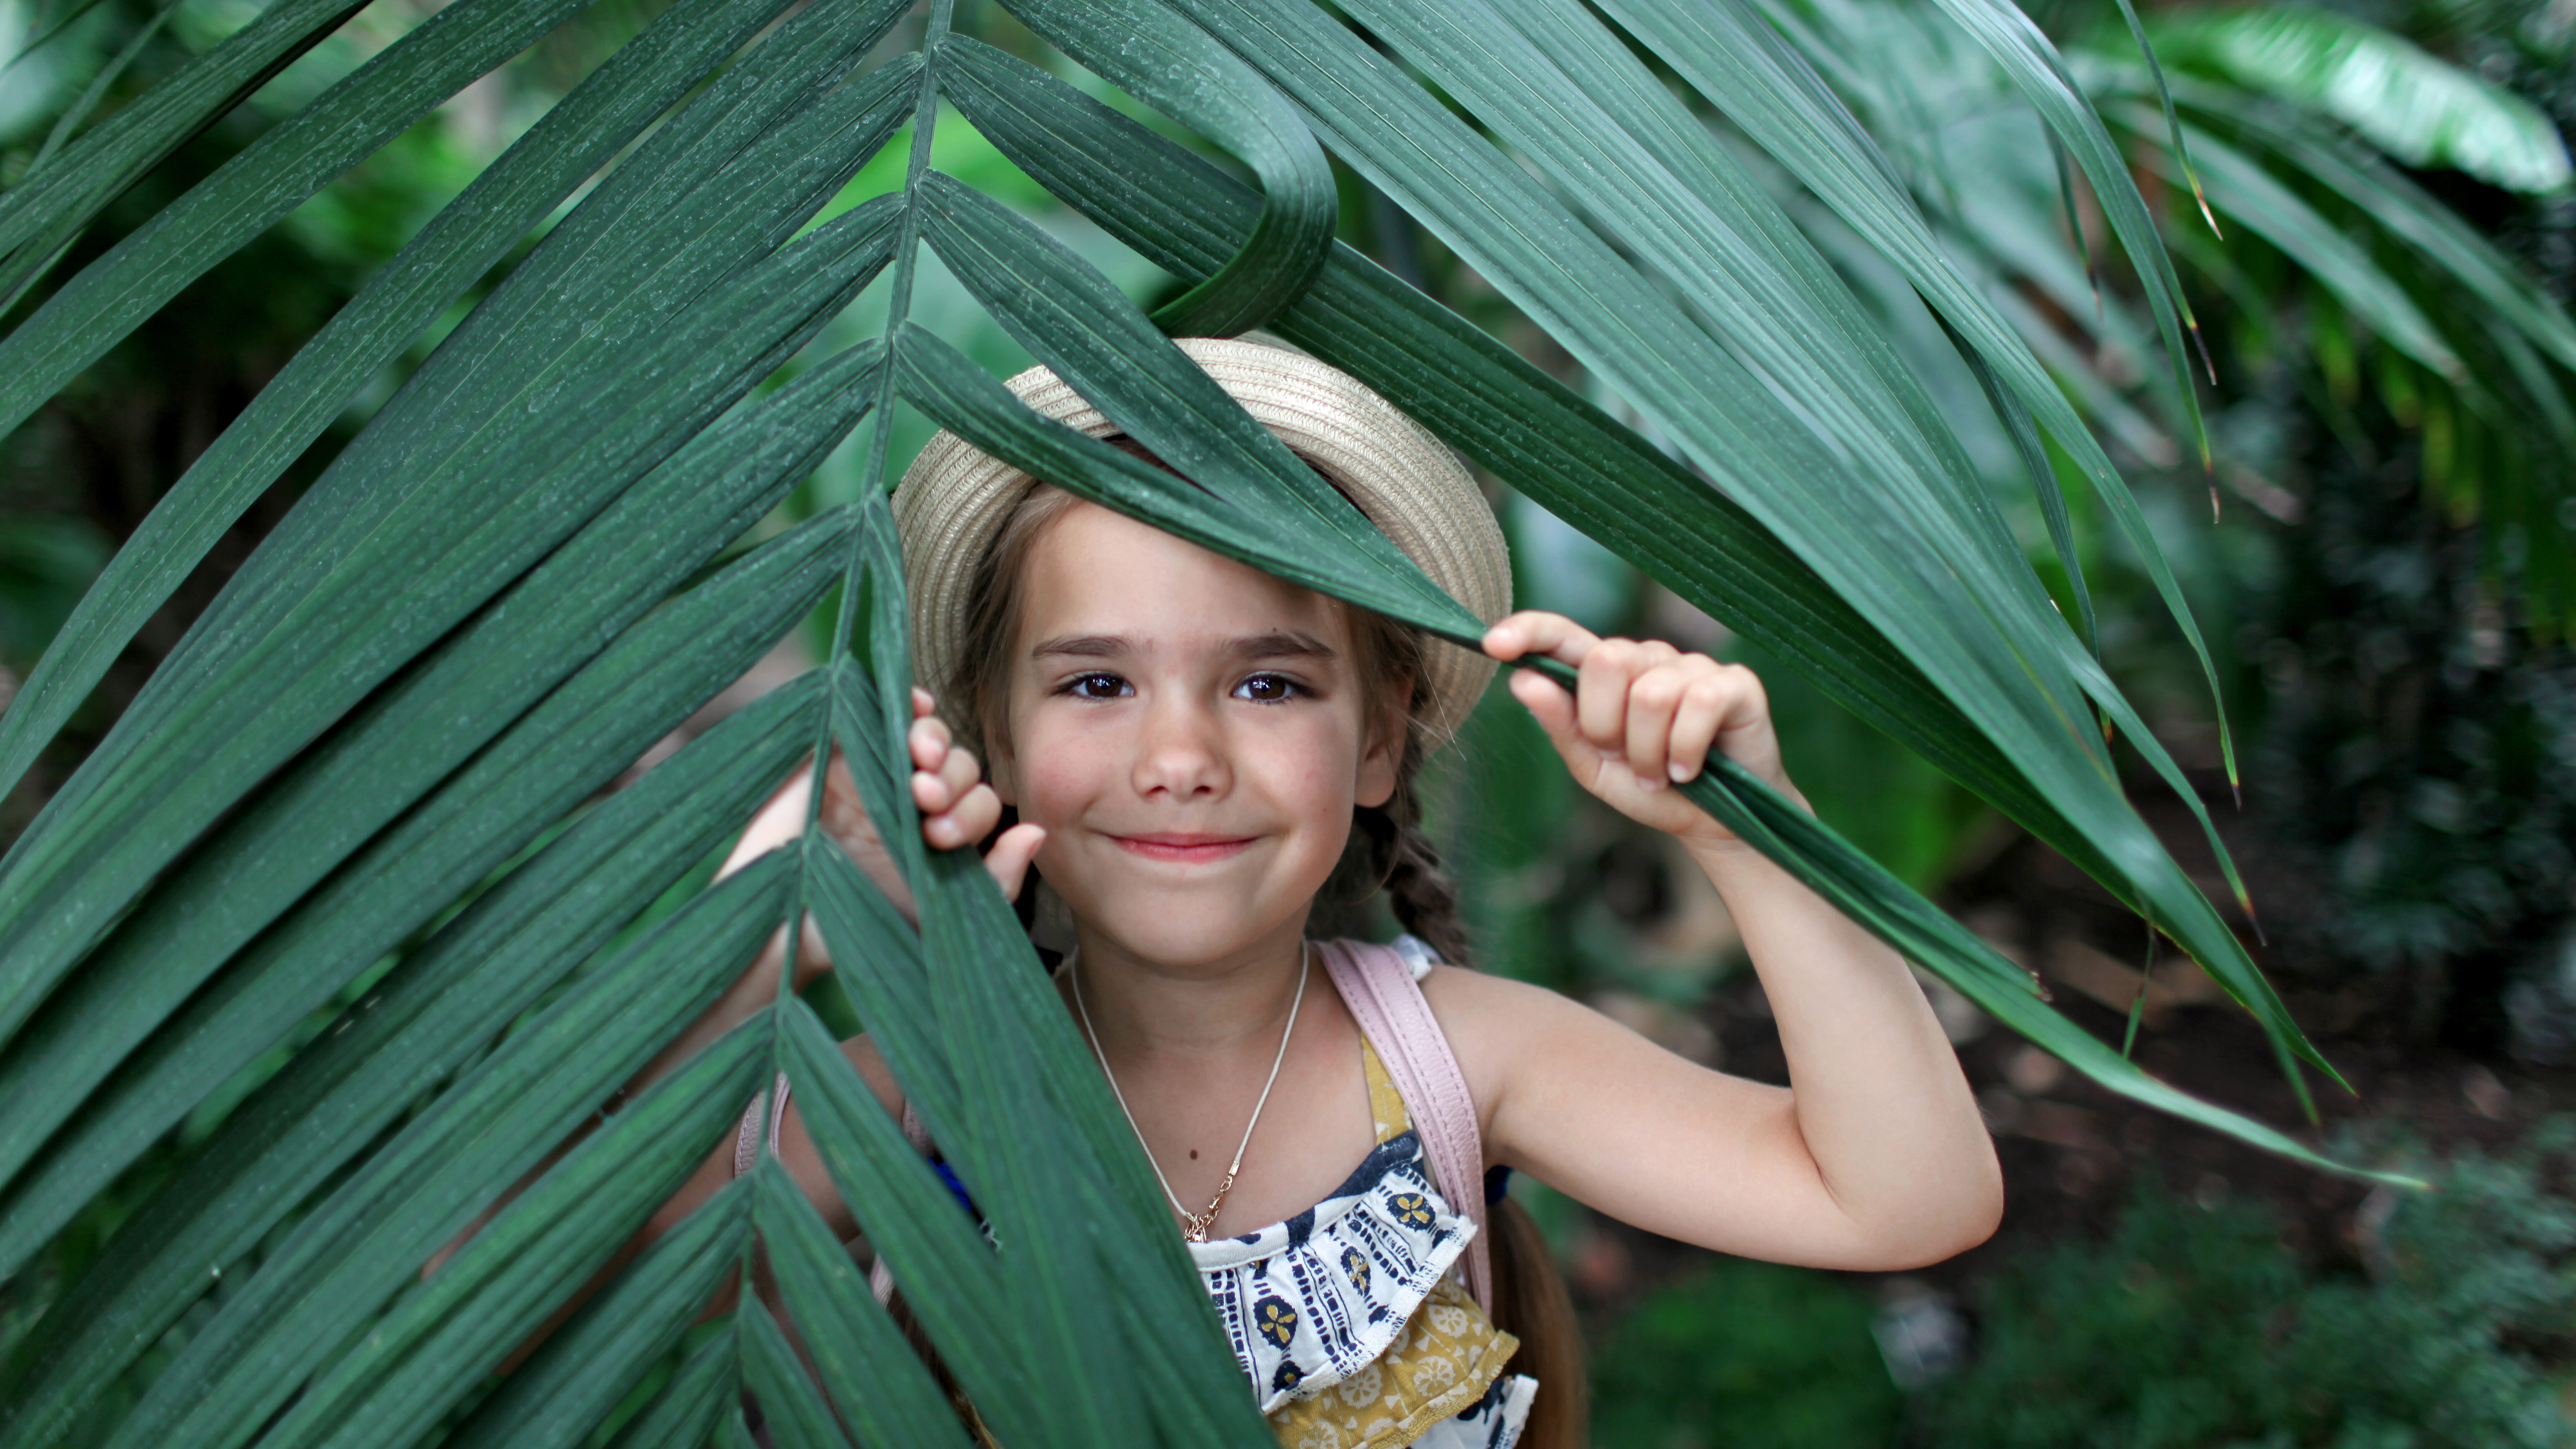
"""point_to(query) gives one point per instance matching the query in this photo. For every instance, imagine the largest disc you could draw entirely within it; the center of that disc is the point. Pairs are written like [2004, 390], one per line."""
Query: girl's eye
[1268, 689]
[1096, 686]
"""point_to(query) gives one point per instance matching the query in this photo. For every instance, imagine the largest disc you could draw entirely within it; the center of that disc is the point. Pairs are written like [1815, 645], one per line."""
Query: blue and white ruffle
[1308, 1302]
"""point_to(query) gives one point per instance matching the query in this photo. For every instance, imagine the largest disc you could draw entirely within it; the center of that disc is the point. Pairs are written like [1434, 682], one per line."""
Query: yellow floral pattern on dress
[1275, 1320]
[1426, 1377]
[1442, 1364]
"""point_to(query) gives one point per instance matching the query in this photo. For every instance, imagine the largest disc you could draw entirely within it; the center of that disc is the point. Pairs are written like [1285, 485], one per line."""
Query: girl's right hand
[957, 807]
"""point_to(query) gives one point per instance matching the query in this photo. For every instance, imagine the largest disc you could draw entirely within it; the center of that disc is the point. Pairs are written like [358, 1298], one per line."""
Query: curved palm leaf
[457, 246]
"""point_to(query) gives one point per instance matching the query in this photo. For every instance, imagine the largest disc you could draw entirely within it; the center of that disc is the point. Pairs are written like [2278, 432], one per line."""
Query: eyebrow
[1083, 646]
[1282, 644]
[1274, 644]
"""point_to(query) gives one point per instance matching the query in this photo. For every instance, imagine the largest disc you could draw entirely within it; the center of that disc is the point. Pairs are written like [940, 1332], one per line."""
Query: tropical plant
[1755, 1355]
[2278, 141]
[2446, 1319]
[358, 788]
[2197, 1323]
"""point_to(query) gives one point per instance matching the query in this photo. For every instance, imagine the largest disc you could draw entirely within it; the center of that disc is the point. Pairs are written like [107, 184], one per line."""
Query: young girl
[1194, 751]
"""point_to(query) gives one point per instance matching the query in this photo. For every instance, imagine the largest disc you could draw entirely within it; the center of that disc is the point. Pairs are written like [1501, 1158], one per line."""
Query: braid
[1424, 897]
[1390, 849]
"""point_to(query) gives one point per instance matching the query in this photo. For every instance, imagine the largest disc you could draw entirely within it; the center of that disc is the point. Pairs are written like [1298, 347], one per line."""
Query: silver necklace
[1194, 1226]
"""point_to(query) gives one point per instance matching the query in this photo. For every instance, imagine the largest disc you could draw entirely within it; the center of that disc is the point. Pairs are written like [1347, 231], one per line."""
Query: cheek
[1053, 777]
[1048, 788]
[1319, 774]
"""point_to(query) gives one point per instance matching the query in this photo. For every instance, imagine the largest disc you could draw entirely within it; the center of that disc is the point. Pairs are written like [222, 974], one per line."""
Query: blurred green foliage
[2196, 1328]
[2415, 777]
[1744, 1355]
[2449, 1324]
[2419, 767]
[45, 564]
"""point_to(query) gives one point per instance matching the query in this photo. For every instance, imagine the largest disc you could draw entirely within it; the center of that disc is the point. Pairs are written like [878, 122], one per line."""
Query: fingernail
[1649, 784]
[1678, 771]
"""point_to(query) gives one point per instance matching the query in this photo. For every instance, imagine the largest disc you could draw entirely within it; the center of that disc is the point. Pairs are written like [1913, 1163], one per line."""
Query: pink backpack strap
[772, 1105]
[746, 1142]
[1378, 986]
[769, 1106]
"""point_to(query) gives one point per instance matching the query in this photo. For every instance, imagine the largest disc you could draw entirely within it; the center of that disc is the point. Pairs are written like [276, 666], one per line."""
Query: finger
[940, 789]
[1744, 732]
[1601, 698]
[922, 703]
[1534, 631]
[970, 820]
[1704, 709]
[1009, 858]
[1601, 693]
[1550, 704]
[1652, 698]
[960, 772]
[928, 742]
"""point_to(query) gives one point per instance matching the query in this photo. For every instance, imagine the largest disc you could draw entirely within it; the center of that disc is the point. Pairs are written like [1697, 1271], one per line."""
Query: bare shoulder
[1496, 1025]
[1476, 1003]
[1486, 1015]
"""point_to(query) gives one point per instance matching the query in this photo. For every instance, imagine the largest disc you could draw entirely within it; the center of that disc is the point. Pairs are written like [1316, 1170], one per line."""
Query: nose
[1181, 756]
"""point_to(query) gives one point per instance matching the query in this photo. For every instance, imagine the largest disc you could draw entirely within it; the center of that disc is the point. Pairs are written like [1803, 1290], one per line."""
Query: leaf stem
[907, 247]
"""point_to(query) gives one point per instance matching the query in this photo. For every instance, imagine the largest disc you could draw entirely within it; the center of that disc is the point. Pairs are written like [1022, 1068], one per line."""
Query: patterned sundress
[1350, 1319]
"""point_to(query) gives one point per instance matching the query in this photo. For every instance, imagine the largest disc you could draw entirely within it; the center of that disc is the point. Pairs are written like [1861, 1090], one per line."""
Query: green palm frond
[2277, 114]
[354, 797]
[2421, 110]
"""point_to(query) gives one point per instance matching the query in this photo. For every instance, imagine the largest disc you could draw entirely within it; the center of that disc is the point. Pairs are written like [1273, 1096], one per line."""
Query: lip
[1184, 847]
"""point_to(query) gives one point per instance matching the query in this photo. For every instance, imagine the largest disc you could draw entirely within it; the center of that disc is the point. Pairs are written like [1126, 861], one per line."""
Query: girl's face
[1192, 733]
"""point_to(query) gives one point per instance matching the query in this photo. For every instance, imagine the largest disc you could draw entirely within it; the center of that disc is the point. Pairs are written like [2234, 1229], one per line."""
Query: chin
[1184, 933]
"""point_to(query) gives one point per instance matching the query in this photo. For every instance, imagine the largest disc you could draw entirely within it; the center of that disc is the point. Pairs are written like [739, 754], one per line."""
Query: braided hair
[1389, 848]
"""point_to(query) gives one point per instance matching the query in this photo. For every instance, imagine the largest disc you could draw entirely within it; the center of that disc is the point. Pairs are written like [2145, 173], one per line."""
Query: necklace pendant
[1194, 1226]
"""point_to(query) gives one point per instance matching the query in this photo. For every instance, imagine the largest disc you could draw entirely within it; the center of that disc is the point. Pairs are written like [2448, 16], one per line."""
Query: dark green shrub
[2196, 1328]
[1744, 1355]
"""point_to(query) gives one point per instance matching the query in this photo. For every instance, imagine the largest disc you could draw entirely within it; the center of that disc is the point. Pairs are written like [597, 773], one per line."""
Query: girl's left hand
[1644, 717]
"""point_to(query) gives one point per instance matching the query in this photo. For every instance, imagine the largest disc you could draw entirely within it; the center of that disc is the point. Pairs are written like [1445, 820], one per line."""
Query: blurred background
[2377, 232]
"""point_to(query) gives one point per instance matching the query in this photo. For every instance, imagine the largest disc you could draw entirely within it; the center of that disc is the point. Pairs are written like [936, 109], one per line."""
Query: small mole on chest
[1194, 1154]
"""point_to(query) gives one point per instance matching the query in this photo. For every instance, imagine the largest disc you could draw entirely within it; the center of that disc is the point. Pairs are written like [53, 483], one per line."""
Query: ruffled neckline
[1310, 1300]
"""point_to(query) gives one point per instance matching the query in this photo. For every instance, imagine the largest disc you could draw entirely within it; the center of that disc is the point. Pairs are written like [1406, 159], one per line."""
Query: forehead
[1095, 571]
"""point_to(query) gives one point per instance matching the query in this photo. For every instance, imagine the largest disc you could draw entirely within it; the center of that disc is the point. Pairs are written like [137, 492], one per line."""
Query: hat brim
[955, 498]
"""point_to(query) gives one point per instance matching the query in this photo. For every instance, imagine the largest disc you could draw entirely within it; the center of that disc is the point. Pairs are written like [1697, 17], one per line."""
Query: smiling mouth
[1184, 848]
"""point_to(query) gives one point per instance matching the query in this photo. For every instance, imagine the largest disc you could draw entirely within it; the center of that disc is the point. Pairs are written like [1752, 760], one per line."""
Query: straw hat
[954, 499]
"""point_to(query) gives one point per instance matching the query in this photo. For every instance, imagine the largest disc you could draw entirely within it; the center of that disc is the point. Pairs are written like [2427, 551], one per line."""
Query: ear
[1384, 757]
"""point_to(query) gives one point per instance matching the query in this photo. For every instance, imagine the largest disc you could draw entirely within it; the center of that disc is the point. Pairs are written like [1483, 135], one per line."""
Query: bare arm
[1874, 1157]
[956, 810]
